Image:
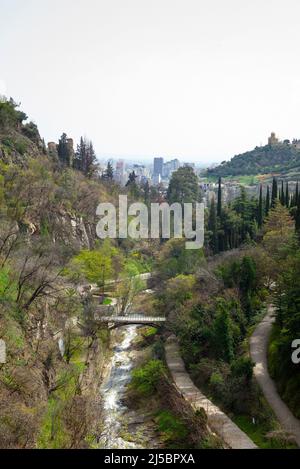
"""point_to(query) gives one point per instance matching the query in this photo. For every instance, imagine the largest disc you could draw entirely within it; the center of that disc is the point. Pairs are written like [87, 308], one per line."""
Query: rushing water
[113, 391]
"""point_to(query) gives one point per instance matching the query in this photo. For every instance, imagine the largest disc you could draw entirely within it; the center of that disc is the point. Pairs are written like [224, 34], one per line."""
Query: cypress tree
[109, 173]
[219, 208]
[223, 334]
[85, 158]
[274, 192]
[213, 226]
[267, 201]
[260, 208]
[281, 197]
[287, 195]
[62, 149]
[296, 195]
[297, 217]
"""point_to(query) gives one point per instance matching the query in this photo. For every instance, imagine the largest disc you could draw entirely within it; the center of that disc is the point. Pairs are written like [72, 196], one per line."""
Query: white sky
[197, 79]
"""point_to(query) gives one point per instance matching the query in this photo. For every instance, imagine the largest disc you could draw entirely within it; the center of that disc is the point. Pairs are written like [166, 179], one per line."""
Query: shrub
[172, 428]
[21, 147]
[146, 378]
[242, 367]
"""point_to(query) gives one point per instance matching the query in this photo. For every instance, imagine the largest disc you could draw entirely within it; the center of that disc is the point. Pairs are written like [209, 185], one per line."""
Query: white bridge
[130, 319]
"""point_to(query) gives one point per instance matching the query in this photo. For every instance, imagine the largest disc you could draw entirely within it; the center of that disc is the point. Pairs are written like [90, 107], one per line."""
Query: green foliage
[21, 147]
[109, 172]
[178, 290]
[242, 367]
[173, 430]
[146, 378]
[242, 274]
[223, 332]
[9, 115]
[174, 259]
[229, 227]
[213, 227]
[287, 300]
[149, 331]
[85, 158]
[31, 131]
[259, 432]
[183, 187]
[53, 433]
[97, 265]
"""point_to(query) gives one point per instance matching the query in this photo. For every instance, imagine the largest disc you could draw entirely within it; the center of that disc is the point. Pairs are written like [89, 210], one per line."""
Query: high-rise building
[119, 174]
[158, 166]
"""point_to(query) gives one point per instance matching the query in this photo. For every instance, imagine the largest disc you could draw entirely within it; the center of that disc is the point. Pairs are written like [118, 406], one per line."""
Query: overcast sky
[198, 79]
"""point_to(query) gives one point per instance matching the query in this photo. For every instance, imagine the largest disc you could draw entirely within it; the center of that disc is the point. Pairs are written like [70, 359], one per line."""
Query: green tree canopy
[183, 187]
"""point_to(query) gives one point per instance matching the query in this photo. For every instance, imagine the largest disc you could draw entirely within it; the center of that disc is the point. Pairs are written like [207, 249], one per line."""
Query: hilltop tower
[273, 140]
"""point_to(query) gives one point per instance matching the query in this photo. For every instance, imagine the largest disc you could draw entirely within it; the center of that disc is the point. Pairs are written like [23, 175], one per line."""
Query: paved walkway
[258, 350]
[219, 422]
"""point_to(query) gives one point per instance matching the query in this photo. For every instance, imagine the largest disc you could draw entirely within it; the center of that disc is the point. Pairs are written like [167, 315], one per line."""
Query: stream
[116, 415]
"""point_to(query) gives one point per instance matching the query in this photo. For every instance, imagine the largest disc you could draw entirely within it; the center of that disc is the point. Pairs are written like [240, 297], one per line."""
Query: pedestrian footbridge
[129, 319]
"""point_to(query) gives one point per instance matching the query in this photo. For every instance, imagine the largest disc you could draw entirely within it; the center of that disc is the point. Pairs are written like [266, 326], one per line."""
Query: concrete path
[219, 422]
[259, 352]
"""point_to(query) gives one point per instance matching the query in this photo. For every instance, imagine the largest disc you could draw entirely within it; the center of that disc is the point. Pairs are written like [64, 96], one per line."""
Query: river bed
[122, 427]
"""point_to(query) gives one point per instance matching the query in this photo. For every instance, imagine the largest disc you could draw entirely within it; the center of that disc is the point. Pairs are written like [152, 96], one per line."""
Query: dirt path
[258, 349]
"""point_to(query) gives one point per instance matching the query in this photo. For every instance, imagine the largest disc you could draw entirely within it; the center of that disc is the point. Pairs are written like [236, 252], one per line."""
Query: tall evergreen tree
[260, 208]
[223, 333]
[134, 189]
[282, 197]
[183, 187]
[146, 190]
[274, 192]
[219, 207]
[85, 158]
[109, 172]
[297, 217]
[62, 149]
[80, 155]
[287, 195]
[267, 201]
[247, 284]
[213, 226]
[296, 194]
[91, 164]
[131, 178]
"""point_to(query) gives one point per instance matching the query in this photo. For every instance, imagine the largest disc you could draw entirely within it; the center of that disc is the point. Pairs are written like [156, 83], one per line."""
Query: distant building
[296, 143]
[141, 172]
[273, 140]
[120, 174]
[156, 179]
[158, 166]
[169, 167]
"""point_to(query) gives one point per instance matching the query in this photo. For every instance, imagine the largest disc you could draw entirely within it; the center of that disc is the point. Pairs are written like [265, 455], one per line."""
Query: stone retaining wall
[219, 422]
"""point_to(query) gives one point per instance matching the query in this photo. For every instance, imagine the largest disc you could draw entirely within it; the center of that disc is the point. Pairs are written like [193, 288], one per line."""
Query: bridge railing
[134, 318]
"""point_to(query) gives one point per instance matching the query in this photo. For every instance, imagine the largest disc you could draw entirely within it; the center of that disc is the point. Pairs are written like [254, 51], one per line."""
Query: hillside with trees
[281, 158]
[49, 385]
[215, 297]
